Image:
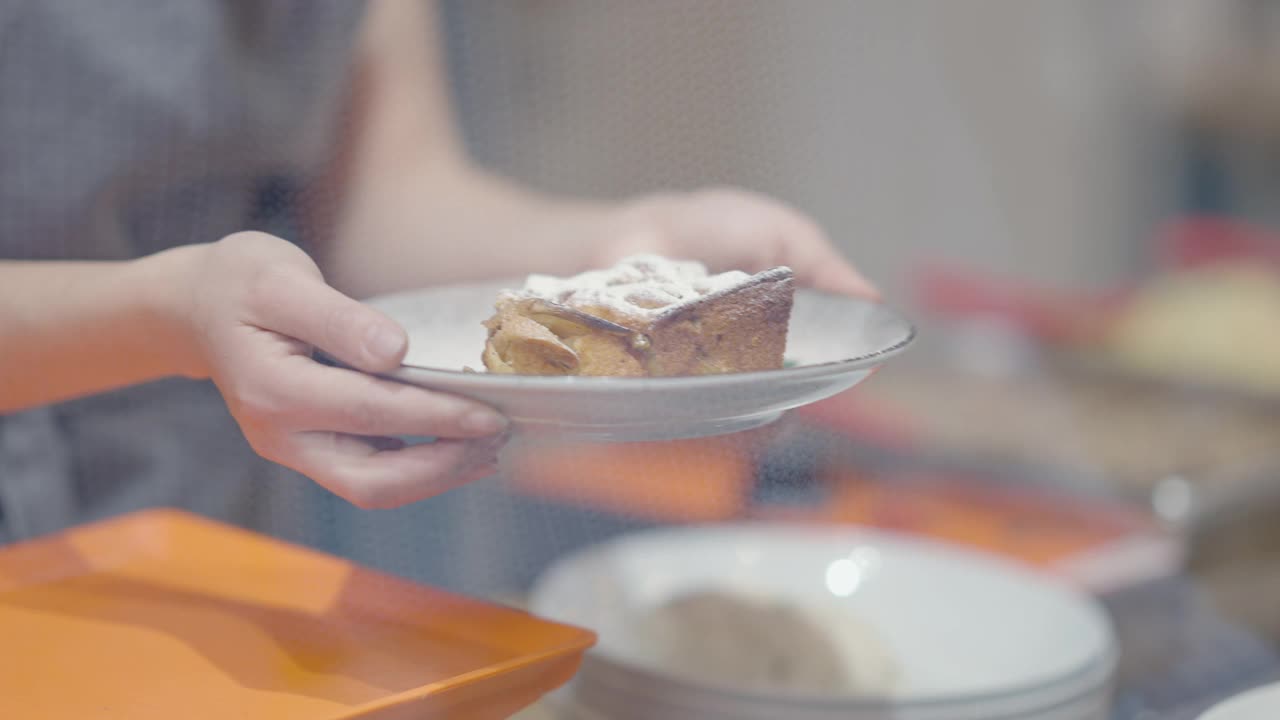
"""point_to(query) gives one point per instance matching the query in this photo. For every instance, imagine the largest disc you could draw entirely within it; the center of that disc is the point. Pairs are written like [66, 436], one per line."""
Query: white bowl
[833, 343]
[636, 697]
[971, 635]
[1258, 704]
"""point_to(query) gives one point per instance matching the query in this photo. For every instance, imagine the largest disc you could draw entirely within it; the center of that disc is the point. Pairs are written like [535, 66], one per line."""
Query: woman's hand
[732, 230]
[255, 306]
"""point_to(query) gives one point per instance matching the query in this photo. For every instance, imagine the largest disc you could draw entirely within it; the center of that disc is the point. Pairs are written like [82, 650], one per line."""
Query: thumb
[305, 308]
[841, 278]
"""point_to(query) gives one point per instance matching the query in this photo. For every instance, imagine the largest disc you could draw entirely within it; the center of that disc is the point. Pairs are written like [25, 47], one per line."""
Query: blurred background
[1019, 137]
[1074, 200]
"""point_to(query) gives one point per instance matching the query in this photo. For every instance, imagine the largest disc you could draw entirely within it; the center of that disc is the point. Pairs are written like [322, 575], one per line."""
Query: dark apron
[132, 126]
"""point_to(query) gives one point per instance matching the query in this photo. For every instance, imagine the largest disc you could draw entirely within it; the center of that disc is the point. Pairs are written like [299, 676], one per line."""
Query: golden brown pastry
[645, 317]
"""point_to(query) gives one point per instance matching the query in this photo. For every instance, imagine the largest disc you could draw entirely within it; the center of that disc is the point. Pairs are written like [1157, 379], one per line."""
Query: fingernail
[863, 282]
[384, 343]
[485, 422]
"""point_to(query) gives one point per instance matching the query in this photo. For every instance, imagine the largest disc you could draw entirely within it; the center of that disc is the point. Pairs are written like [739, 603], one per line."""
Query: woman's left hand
[731, 229]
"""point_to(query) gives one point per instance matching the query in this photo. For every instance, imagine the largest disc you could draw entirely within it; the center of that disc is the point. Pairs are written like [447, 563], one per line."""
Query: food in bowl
[647, 316]
[755, 643]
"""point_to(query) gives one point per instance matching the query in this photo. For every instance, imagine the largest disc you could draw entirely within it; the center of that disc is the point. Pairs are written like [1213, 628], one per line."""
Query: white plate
[833, 343]
[1088, 697]
[967, 631]
[1258, 704]
[600, 703]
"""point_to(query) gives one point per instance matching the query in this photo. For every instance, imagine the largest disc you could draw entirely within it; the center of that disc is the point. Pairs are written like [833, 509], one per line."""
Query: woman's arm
[74, 328]
[415, 210]
[246, 312]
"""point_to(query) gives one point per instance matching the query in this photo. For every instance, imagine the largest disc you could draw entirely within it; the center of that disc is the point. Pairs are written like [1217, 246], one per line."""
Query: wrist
[166, 308]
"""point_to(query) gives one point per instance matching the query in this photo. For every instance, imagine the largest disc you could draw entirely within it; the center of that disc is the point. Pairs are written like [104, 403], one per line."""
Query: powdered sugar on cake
[640, 285]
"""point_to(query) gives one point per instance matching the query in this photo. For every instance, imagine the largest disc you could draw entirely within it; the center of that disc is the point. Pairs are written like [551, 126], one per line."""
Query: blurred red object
[852, 414]
[1199, 241]
[1055, 316]
[1062, 317]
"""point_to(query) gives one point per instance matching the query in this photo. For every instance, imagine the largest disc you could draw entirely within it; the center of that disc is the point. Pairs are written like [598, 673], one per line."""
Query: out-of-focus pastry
[1219, 325]
[736, 640]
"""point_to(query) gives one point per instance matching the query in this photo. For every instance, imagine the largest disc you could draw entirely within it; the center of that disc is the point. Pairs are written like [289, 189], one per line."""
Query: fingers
[301, 395]
[337, 427]
[817, 263]
[732, 229]
[302, 306]
[375, 477]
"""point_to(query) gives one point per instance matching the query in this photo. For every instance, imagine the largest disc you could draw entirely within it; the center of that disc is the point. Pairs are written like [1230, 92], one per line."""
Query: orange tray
[165, 615]
[702, 480]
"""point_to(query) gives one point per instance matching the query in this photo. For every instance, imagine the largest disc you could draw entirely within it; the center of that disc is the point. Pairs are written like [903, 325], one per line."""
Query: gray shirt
[132, 126]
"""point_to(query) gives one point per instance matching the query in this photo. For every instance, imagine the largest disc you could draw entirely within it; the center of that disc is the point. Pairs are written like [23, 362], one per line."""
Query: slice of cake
[645, 317]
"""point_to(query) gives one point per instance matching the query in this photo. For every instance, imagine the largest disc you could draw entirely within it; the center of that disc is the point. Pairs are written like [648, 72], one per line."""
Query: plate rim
[462, 379]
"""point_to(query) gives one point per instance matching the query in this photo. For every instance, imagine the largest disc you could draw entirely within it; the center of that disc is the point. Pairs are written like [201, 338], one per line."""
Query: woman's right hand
[254, 307]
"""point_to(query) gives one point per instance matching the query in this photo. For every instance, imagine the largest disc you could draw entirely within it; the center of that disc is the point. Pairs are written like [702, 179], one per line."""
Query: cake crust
[647, 317]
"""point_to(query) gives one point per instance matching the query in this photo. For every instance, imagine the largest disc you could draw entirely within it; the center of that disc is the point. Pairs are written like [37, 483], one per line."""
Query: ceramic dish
[833, 344]
[972, 636]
